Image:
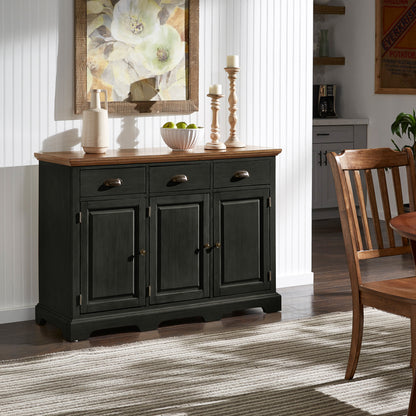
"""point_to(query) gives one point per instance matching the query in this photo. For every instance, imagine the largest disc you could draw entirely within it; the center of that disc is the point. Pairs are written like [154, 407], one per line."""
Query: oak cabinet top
[153, 155]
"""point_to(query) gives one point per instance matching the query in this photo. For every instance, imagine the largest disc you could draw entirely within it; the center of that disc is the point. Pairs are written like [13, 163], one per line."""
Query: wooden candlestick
[215, 128]
[233, 140]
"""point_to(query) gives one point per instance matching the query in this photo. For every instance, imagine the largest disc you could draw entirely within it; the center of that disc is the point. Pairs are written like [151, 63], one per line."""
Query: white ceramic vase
[95, 125]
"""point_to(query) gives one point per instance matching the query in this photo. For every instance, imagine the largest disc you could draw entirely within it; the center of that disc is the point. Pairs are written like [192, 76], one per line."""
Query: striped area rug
[288, 368]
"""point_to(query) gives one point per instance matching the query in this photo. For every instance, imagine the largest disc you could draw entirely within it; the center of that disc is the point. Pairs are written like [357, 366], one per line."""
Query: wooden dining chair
[357, 174]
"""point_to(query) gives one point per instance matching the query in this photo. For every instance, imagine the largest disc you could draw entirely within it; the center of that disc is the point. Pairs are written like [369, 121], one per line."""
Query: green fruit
[181, 125]
[169, 125]
[192, 126]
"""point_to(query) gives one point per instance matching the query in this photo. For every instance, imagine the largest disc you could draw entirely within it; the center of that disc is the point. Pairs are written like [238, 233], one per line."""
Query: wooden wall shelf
[321, 9]
[329, 60]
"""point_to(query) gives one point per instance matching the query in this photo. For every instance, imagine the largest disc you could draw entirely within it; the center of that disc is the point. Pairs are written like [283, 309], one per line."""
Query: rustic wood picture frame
[187, 106]
[384, 82]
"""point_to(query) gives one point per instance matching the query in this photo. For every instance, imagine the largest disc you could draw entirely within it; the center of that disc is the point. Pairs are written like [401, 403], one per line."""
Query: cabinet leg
[270, 308]
[40, 321]
[75, 334]
[212, 316]
[148, 325]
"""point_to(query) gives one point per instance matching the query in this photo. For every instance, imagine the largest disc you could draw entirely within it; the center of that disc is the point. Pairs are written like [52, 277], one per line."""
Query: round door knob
[217, 245]
[207, 245]
[142, 252]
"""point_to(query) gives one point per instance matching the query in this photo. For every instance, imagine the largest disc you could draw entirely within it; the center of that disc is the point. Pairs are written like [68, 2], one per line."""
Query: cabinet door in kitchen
[179, 248]
[241, 241]
[324, 195]
[112, 254]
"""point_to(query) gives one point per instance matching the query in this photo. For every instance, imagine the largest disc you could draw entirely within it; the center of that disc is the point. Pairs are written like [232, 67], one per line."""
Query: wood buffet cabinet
[137, 237]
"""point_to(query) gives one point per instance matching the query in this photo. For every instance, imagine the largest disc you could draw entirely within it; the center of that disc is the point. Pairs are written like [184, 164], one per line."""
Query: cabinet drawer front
[328, 134]
[180, 177]
[242, 172]
[112, 181]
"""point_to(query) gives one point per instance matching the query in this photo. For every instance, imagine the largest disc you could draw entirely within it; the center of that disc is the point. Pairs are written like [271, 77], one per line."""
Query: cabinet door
[323, 194]
[112, 269]
[179, 229]
[241, 238]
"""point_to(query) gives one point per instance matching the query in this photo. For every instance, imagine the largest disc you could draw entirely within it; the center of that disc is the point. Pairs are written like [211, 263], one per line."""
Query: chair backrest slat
[398, 194]
[374, 208]
[386, 204]
[363, 211]
[356, 225]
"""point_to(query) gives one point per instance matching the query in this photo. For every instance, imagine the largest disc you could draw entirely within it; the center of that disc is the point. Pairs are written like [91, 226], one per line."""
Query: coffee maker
[324, 100]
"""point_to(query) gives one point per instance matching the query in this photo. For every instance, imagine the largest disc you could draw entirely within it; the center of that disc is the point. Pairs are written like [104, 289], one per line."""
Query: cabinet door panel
[324, 194]
[241, 222]
[112, 272]
[179, 263]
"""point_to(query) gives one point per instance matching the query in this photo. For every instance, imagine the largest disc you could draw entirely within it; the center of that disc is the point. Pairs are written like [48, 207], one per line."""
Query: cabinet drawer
[328, 134]
[180, 177]
[113, 181]
[242, 172]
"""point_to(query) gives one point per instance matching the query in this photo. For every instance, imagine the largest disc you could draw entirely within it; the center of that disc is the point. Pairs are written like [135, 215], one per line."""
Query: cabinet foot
[148, 325]
[210, 317]
[271, 308]
[40, 321]
[75, 335]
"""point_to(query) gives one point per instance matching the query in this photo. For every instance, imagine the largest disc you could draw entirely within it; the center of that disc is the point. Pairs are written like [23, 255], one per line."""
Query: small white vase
[95, 125]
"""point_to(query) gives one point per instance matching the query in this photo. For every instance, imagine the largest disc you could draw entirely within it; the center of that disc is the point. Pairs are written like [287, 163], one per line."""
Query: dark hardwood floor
[330, 293]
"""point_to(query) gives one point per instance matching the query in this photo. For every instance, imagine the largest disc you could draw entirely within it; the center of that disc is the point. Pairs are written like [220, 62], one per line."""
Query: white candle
[233, 61]
[215, 89]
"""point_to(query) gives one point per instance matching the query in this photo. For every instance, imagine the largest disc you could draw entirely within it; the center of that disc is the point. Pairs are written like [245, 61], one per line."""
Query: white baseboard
[294, 280]
[26, 313]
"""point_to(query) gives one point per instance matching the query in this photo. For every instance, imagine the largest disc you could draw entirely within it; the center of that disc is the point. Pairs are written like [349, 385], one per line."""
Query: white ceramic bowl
[180, 139]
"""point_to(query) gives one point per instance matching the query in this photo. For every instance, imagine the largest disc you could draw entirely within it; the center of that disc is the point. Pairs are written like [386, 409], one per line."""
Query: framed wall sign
[144, 53]
[395, 47]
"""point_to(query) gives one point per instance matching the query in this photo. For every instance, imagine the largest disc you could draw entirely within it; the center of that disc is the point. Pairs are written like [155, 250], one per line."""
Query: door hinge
[269, 275]
[80, 300]
[79, 217]
[269, 202]
[149, 212]
[149, 291]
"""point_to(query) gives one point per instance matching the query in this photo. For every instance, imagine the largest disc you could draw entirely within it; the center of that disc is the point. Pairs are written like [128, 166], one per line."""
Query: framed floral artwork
[144, 53]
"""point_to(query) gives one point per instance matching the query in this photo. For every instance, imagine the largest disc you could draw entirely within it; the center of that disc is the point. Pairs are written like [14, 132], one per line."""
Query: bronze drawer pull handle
[241, 174]
[113, 182]
[179, 179]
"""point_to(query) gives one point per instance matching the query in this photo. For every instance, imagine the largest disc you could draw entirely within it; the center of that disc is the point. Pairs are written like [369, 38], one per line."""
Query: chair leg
[412, 402]
[413, 343]
[356, 339]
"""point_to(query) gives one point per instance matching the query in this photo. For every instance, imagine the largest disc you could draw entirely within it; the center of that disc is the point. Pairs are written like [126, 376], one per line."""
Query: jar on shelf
[323, 43]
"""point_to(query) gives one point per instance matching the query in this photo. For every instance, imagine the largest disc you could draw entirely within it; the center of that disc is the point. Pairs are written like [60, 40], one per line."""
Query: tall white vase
[95, 125]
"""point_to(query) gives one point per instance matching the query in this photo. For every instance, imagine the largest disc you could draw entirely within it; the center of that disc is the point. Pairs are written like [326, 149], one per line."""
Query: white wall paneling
[274, 41]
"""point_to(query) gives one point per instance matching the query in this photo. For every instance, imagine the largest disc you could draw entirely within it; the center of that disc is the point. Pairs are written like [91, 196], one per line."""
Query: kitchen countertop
[339, 121]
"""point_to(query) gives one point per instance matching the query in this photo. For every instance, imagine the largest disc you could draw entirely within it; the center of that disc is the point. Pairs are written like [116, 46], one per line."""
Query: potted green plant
[405, 125]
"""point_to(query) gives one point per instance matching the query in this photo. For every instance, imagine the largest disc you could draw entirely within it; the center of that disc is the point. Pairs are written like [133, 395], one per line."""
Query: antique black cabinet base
[136, 237]
[147, 319]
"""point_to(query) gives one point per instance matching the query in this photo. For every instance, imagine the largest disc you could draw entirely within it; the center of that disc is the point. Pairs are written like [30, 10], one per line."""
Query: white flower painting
[136, 49]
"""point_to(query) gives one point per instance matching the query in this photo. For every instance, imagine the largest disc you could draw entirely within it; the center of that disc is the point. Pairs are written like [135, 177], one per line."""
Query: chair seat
[403, 289]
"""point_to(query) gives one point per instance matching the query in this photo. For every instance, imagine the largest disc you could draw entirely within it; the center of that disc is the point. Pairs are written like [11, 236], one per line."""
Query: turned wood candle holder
[215, 142]
[233, 140]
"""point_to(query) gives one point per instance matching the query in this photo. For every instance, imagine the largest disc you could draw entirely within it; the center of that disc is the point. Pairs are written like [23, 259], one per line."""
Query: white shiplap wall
[274, 41]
